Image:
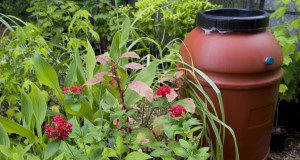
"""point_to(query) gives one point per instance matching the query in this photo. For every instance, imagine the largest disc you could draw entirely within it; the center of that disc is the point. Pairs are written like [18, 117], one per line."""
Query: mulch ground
[291, 150]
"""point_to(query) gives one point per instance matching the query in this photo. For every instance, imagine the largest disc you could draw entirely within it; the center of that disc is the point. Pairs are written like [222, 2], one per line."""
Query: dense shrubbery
[288, 37]
[64, 102]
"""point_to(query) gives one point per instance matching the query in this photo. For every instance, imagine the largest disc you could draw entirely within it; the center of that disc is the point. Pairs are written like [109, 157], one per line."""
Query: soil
[291, 150]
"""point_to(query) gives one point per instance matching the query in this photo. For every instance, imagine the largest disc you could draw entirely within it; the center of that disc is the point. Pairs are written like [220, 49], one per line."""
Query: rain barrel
[235, 49]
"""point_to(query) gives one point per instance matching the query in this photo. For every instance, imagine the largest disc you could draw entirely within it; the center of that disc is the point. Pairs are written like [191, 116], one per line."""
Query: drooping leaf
[134, 65]
[13, 127]
[98, 78]
[130, 55]
[137, 156]
[47, 75]
[142, 89]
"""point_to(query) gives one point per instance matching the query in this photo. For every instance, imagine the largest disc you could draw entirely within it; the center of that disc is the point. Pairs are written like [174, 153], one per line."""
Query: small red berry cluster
[163, 91]
[72, 89]
[176, 111]
[60, 128]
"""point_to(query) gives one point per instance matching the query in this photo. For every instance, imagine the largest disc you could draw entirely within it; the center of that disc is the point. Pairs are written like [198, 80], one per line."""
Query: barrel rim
[233, 19]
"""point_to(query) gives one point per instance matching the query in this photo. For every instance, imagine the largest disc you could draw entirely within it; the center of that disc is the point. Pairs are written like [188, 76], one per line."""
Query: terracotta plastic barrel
[233, 47]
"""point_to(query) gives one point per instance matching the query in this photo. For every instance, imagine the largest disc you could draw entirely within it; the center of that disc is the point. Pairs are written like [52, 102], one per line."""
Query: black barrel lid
[233, 19]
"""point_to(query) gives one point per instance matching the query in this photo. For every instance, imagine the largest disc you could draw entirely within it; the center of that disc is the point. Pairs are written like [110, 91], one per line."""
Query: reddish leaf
[98, 78]
[172, 95]
[133, 65]
[178, 74]
[165, 78]
[130, 55]
[190, 105]
[103, 59]
[142, 89]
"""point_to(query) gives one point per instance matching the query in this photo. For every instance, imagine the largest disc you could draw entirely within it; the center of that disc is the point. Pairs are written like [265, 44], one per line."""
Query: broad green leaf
[181, 152]
[26, 108]
[39, 104]
[137, 156]
[120, 147]
[90, 61]
[108, 152]
[60, 157]
[143, 136]
[184, 143]
[51, 149]
[47, 75]
[125, 32]
[72, 73]
[6, 151]
[13, 127]
[4, 139]
[146, 76]
[115, 50]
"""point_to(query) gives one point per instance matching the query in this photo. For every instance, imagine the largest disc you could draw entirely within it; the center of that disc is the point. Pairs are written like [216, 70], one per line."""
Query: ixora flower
[163, 90]
[176, 111]
[60, 128]
[72, 89]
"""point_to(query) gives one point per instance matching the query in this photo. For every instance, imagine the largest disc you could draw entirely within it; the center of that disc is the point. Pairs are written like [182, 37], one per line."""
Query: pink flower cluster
[163, 90]
[60, 128]
[176, 111]
[72, 89]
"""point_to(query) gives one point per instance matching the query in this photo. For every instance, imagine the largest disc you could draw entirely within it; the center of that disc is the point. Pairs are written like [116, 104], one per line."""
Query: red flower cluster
[72, 89]
[163, 90]
[60, 129]
[176, 111]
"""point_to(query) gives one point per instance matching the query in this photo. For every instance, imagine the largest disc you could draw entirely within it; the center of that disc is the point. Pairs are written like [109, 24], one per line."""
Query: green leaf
[90, 61]
[39, 104]
[282, 88]
[115, 50]
[109, 152]
[278, 13]
[137, 156]
[4, 139]
[47, 75]
[184, 143]
[125, 32]
[120, 147]
[26, 108]
[181, 152]
[72, 73]
[147, 76]
[51, 149]
[13, 127]
[60, 157]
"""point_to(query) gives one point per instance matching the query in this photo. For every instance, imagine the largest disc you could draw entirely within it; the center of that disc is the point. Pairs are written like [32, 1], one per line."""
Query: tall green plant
[288, 36]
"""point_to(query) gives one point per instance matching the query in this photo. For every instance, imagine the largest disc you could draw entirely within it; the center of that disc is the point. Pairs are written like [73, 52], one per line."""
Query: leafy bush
[288, 37]
[164, 20]
[111, 107]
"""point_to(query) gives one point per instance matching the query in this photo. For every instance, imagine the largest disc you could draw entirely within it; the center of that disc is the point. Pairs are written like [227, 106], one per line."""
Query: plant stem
[69, 149]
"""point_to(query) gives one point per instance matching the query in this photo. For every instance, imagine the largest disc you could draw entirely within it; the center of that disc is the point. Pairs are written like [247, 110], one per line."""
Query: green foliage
[288, 36]
[164, 20]
[117, 115]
